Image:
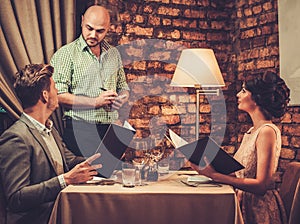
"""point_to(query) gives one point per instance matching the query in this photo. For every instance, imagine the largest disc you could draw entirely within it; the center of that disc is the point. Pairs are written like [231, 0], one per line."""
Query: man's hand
[119, 101]
[82, 172]
[106, 98]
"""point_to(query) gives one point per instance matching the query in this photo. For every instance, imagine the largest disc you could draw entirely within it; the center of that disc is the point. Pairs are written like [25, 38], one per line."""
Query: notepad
[195, 152]
[112, 148]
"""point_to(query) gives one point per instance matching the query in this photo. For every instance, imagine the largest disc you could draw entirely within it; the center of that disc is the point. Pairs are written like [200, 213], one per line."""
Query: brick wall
[257, 49]
[244, 37]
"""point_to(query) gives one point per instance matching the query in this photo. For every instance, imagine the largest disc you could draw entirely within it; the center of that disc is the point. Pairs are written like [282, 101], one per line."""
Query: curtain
[30, 32]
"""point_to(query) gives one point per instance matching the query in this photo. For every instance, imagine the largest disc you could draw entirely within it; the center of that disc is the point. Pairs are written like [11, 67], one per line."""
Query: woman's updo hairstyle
[270, 93]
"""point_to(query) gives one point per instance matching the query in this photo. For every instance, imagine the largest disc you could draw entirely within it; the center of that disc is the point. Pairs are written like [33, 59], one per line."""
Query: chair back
[295, 209]
[2, 205]
[290, 180]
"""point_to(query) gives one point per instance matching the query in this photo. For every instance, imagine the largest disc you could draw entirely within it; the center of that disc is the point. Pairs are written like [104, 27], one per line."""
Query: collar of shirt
[103, 44]
[43, 129]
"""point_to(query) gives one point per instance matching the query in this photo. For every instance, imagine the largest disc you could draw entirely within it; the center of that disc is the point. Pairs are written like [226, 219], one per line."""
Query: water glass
[163, 166]
[138, 175]
[128, 174]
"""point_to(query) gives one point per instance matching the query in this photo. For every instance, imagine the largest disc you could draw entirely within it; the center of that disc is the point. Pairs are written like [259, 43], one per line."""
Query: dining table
[170, 199]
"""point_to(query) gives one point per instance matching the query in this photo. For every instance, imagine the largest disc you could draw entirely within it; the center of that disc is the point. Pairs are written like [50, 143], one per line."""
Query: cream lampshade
[198, 68]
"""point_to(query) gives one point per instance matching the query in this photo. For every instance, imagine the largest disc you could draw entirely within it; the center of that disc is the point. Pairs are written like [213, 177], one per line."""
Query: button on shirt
[78, 71]
[52, 146]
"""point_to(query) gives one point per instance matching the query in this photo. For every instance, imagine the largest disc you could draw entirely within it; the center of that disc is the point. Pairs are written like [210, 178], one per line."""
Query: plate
[201, 179]
[95, 180]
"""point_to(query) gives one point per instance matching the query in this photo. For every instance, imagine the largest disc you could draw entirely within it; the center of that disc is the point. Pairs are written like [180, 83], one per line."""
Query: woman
[262, 98]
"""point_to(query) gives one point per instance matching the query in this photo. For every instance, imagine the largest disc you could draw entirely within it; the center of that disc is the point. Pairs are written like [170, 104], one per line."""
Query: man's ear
[44, 96]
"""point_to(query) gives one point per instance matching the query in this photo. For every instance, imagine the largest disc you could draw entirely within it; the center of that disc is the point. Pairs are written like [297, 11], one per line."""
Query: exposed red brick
[296, 118]
[257, 9]
[265, 64]
[292, 129]
[167, 22]
[180, 22]
[216, 36]
[287, 118]
[267, 6]
[272, 40]
[287, 153]
[247, 34]
[154, 109]
[139, 30]
[295, 142]
[125, 17]
[188, 119]
[148, 9]
[169, 110]
[247, 12]
[139, 65]
[168, 11]
[259, 42]
[172, 120]
[205, 108]
[204, 129]
[203, 25]
[219, 25]
[239, 13]
[153, 20]
[184, 2]
[139, 19]
[285, 140]
[194, 13]
[170, 67]
[217, 15]
[203, 3]
[193, 35]
[160, 1]
[266, 30]
[268, 18]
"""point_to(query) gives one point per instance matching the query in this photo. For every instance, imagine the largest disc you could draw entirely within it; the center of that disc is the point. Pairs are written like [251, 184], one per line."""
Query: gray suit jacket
[28, 177]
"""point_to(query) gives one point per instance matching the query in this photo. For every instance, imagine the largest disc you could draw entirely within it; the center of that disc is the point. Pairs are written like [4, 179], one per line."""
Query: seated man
[35, 165]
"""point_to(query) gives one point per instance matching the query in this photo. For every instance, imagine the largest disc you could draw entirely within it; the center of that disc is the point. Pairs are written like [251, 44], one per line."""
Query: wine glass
[139, 162]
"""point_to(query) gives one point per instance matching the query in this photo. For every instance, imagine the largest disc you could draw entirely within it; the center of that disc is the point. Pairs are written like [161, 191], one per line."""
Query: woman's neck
[258, 119]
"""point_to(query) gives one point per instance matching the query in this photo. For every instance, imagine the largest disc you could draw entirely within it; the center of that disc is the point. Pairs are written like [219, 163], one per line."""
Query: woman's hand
[207, 170]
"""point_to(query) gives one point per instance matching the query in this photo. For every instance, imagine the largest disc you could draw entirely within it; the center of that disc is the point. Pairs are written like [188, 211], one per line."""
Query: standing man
[35, 165]
[91, 83]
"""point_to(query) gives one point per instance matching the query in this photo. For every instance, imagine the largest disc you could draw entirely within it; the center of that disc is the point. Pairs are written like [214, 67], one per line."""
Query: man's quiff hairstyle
[31, 81]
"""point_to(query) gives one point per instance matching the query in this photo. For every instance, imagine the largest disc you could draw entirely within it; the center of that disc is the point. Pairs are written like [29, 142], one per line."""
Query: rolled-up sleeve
[63, 69]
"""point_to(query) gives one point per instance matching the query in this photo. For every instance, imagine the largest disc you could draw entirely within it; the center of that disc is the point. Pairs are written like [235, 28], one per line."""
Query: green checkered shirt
[78, 71]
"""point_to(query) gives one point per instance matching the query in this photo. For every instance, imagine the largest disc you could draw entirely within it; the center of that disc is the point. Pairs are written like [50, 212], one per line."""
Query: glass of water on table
[128, 174]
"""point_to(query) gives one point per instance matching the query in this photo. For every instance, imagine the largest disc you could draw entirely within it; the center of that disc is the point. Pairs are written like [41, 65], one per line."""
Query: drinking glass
[163, 166]
[139, 162]
[128, 174]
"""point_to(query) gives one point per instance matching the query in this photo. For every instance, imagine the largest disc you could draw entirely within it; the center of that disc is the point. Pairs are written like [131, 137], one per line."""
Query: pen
[103, 89]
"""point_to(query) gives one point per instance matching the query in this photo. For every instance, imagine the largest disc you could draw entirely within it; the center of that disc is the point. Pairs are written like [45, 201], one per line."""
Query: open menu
[112, 147]
[195, 152]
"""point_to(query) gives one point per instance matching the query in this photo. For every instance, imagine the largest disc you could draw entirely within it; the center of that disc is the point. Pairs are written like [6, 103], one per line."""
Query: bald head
[97, 13]
[95, 24]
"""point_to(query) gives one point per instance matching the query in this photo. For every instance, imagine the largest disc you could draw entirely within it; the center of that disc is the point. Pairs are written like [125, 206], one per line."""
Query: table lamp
[198, 68]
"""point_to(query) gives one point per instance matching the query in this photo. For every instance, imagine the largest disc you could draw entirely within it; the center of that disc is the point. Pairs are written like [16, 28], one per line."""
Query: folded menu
[195, 152]
[112, 148]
